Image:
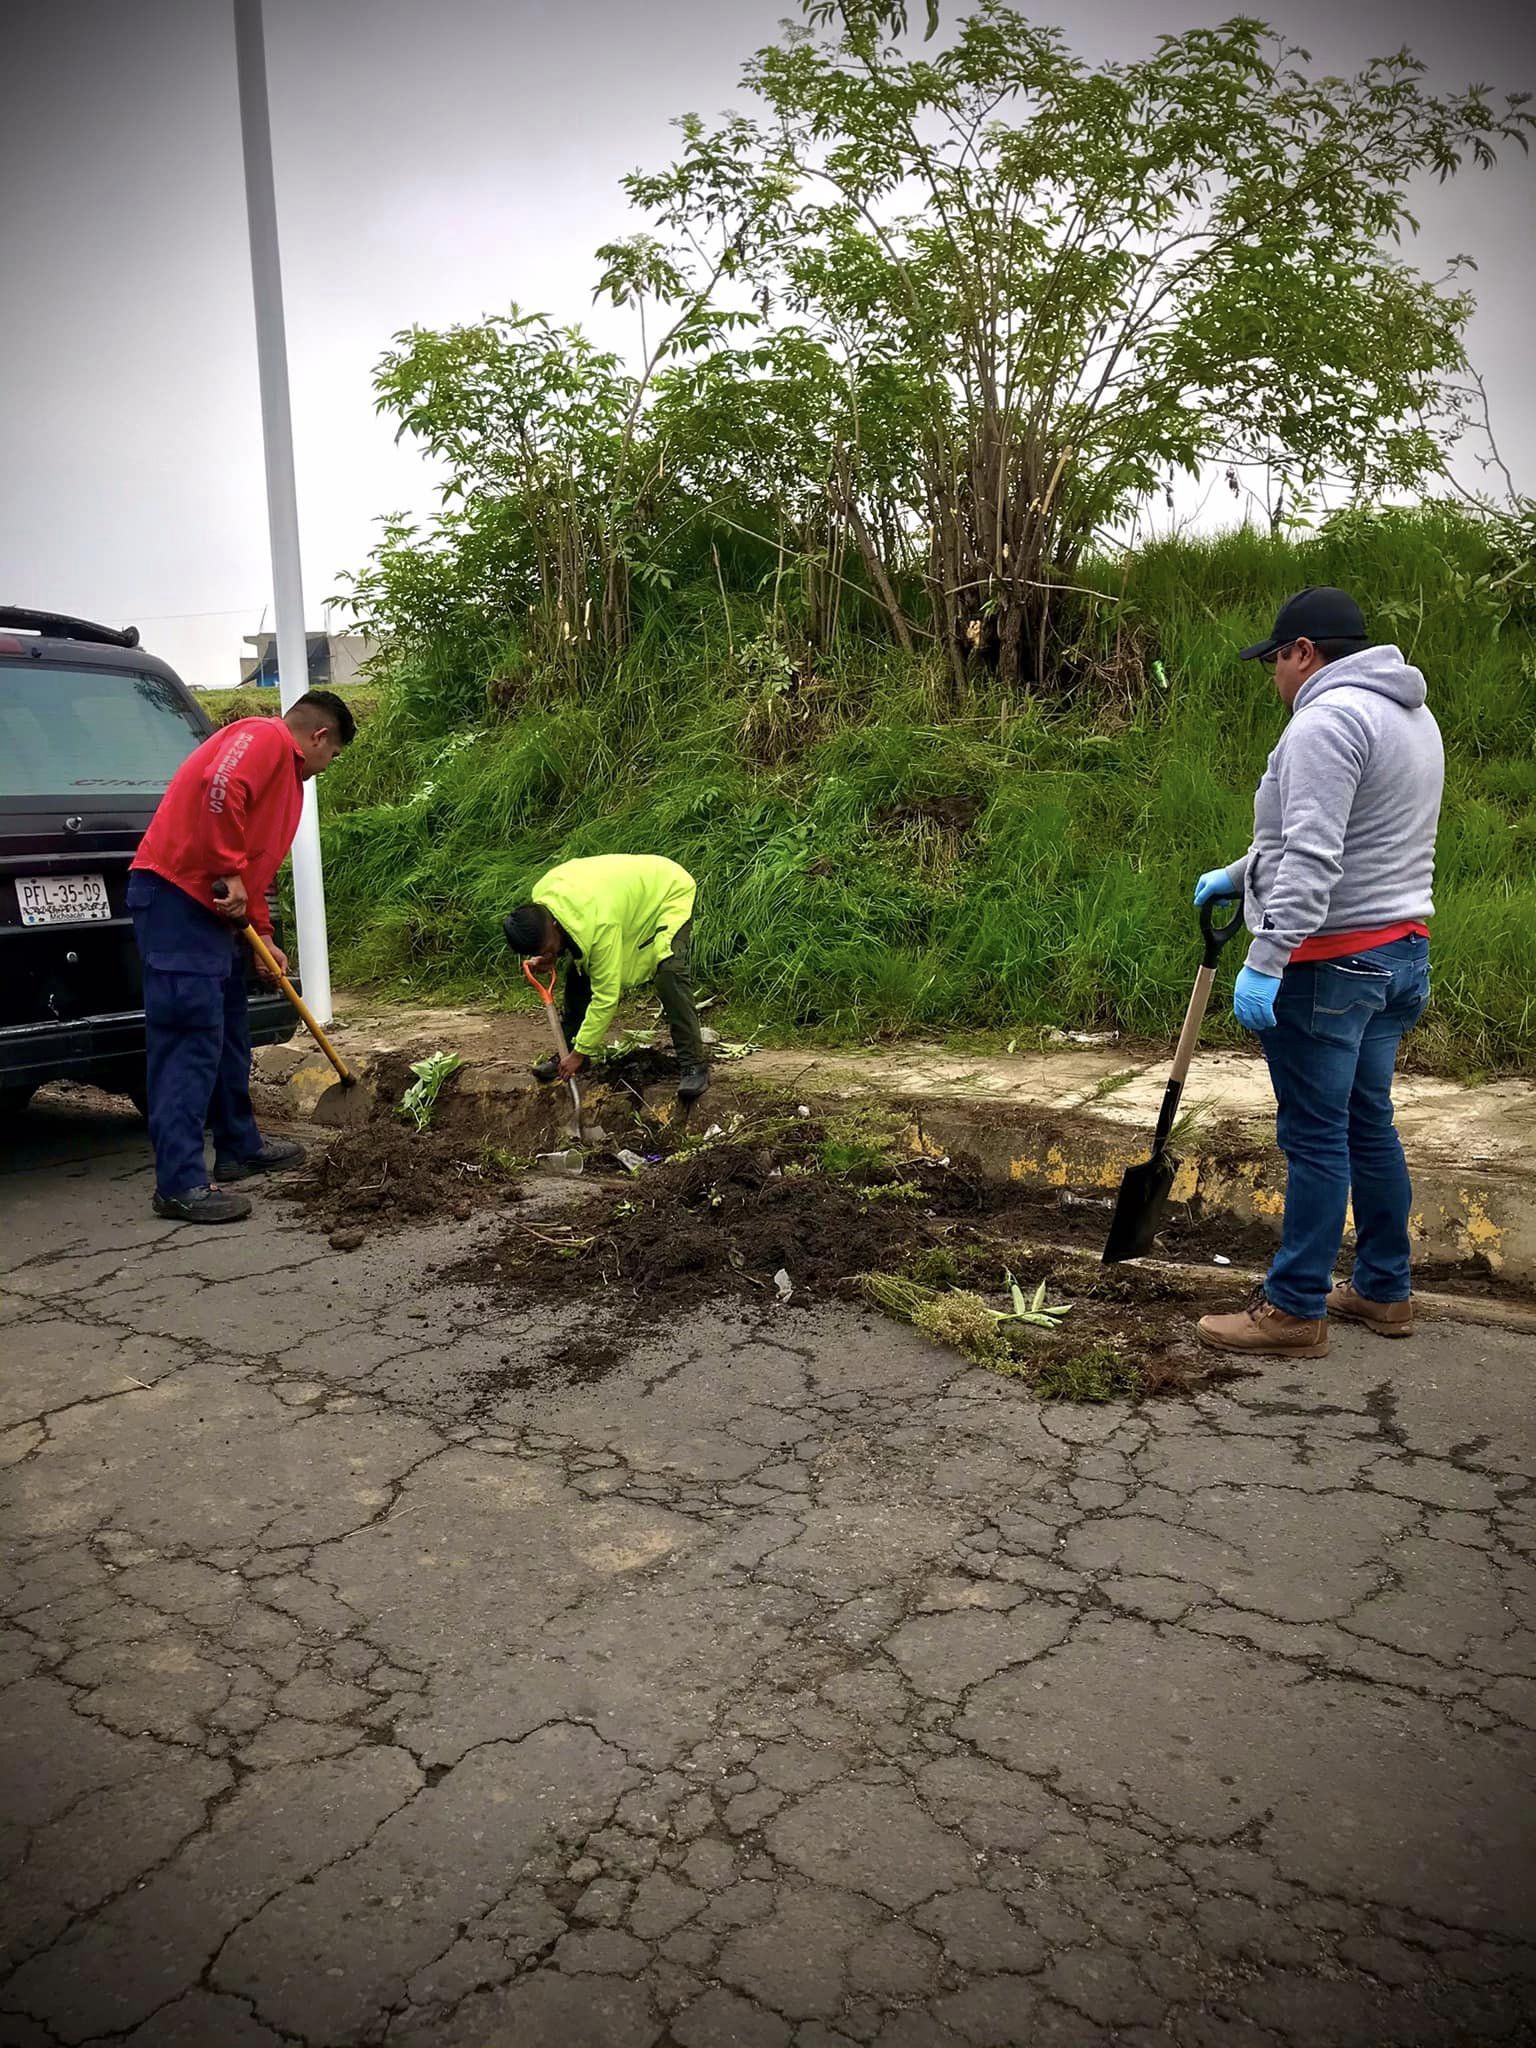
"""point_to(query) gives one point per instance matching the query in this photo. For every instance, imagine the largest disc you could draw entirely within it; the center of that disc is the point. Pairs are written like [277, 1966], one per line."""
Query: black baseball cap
[1317, 613]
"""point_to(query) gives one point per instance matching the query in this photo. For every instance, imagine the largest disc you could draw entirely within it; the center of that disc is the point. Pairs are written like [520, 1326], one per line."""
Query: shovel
[547, 996]
[1145, 1189]
[263, 952]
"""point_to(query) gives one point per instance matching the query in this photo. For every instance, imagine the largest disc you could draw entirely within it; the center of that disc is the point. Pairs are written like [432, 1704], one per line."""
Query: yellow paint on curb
[1479, 1232]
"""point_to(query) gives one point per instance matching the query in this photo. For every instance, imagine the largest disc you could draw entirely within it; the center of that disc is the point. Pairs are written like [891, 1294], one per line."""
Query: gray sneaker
[277, 1155]
[203, 1205]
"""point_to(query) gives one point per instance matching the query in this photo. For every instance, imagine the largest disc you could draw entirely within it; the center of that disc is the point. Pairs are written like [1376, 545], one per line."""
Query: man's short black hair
[1335, 650]
[527, 928]
[333, 711]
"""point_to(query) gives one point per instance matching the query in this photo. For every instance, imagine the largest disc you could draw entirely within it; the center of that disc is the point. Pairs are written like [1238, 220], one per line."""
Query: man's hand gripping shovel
[357, 1105]
[1144, 1191]
[546, 991]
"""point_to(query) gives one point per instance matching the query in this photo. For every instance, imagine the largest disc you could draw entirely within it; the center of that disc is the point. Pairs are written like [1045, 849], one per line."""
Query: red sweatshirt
[232, 808]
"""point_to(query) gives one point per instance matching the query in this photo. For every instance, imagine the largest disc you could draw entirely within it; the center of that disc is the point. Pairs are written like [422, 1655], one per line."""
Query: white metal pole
[282, 496]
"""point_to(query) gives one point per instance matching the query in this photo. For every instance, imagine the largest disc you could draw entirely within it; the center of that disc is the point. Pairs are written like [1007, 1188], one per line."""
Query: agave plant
[956, 1316]
[1037, 1312]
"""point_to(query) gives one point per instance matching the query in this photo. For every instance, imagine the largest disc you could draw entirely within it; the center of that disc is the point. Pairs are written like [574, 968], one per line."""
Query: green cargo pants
[672, 986]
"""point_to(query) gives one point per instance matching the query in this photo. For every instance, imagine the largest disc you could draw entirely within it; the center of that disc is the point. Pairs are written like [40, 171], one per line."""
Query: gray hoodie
[1344, 819]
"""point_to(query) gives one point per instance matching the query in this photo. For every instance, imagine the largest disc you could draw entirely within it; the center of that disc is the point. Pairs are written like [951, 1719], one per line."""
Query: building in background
[333, 658]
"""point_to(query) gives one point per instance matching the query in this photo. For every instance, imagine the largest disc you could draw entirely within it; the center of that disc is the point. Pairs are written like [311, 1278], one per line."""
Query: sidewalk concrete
[1070, 1117]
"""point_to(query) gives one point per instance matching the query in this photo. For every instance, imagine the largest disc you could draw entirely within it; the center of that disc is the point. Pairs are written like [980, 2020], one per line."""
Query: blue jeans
[1338, 1024]
[197, 1034]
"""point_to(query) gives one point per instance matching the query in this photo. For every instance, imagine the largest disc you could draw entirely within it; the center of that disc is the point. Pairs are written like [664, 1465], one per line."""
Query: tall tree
[1093, 276]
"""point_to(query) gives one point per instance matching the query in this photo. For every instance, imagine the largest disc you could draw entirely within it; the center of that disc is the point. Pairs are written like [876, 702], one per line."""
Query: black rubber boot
[692, 1084]
[277, 1155]
[203, 1205]
[546, 1069]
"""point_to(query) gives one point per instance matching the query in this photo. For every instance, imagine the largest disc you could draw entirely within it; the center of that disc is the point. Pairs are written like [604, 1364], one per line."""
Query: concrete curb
[1463, 1211]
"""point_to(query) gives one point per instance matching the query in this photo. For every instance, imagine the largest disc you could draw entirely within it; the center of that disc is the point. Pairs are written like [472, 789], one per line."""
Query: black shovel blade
[1139, 1211]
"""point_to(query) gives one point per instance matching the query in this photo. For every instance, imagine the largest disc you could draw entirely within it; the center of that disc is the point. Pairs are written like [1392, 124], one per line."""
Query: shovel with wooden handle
[1145, 1189]
[263, 952]
[547, 996]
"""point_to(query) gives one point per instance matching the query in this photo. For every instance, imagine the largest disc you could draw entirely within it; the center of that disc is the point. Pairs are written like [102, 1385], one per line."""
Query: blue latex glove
[1214, 886]
[1253, 1000]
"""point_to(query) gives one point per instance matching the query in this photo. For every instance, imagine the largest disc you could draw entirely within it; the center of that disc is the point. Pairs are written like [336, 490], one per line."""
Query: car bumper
[31, 1054]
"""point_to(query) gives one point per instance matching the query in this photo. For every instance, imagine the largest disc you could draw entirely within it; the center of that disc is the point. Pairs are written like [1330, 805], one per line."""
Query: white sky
[435, 159]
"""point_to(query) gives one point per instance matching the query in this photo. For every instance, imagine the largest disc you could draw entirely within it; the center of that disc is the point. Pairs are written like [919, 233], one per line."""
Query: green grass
[892, 862]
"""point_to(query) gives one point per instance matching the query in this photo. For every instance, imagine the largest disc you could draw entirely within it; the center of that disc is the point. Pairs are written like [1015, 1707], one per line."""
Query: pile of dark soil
[385, 1174]
[724, 1221]
[794, 1209]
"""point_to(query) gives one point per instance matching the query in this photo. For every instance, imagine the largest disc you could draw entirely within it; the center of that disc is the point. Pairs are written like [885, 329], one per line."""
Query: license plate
[63, 899]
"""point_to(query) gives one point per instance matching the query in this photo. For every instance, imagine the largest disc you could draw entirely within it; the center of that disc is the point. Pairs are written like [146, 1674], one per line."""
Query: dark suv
[91, 731]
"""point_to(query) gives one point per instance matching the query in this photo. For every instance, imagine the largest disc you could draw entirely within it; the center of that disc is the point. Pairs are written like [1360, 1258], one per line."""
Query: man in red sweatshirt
[202, 871]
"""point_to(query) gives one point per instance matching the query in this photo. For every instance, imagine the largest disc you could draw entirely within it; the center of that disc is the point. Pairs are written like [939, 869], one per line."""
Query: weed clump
[963, 1321]
[1101, 1373]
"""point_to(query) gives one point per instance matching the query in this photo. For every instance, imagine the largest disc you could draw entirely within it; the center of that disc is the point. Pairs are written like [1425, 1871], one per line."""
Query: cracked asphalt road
[791, 1685]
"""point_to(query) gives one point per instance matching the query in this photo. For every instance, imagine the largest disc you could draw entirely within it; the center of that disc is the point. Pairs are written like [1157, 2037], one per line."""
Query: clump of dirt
[385, 1174]
[578, 1361]
[581, 1361]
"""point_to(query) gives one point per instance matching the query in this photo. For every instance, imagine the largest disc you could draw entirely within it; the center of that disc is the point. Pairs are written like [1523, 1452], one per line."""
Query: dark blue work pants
[1338, 1025]
[198, 1034]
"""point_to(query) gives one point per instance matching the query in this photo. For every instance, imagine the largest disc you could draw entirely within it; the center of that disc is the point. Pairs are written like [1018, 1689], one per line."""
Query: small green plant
[501, 1159]
[766, 667]
[420, 1100]
[936, 1267]
[1190, 1125]
[1112, 1084]
[626, 1043]
[1037, 1312]
[840, 1156]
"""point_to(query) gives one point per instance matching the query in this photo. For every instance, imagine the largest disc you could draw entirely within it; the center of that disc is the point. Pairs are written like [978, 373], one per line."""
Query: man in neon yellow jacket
[620, 919]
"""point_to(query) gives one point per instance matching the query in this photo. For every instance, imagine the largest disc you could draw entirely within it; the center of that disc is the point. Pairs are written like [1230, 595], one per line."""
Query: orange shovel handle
[546, 990]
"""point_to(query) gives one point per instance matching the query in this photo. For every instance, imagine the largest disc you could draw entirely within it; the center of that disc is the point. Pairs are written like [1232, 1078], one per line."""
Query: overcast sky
[434, 159]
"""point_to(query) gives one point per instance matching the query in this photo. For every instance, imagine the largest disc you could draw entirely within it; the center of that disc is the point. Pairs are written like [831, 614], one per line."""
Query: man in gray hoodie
[1338, 886]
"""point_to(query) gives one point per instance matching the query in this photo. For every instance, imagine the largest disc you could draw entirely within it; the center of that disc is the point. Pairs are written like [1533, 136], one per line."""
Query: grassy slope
[838, 898]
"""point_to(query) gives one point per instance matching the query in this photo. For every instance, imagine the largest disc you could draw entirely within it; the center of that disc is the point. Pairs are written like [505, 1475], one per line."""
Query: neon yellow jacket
[622, 911]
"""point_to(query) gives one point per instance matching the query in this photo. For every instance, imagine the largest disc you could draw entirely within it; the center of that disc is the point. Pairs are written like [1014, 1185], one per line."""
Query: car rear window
[78, 731]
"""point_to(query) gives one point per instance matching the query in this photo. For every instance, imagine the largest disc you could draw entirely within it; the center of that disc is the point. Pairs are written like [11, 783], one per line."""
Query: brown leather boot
[1386, 1318]
[1263, 1331]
